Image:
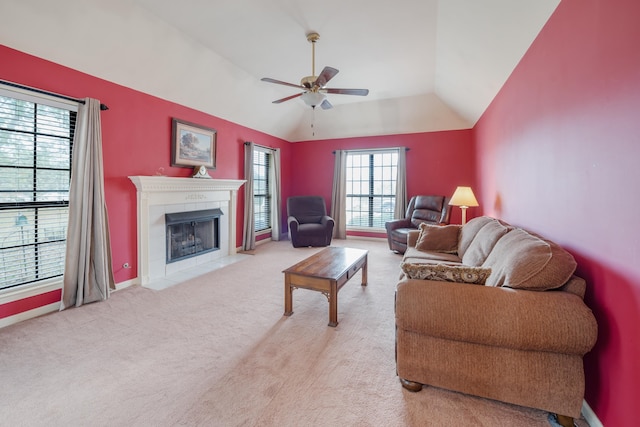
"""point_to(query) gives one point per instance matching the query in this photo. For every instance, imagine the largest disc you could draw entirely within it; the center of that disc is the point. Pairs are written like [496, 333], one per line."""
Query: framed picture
[192, 145]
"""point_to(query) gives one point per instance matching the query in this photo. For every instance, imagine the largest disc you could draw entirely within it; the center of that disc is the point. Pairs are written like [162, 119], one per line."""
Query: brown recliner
[429, 209]
[309, 224]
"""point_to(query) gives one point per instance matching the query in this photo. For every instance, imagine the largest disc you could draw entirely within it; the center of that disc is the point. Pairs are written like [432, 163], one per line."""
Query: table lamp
[464, 198]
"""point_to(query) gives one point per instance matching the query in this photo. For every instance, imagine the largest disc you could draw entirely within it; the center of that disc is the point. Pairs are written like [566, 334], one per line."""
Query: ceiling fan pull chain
[313, 120]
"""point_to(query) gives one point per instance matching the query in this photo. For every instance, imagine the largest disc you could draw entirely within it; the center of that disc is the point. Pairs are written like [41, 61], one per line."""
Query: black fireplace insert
[192, 233]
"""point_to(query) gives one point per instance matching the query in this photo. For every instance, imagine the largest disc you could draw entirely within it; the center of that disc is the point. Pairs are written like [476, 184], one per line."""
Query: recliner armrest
[398, 223]
[293, 223]
[326, 220]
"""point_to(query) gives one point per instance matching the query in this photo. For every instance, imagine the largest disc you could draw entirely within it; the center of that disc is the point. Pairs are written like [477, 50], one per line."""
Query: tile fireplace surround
[159, 195]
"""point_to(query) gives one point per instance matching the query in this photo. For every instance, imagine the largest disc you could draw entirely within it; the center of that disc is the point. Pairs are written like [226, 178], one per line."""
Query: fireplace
[192, 233]
[161, 199]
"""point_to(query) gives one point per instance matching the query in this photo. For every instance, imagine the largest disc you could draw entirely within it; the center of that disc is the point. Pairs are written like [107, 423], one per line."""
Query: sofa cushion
[521, 260]
[469, 231]
[415, 256]
[438, 238]
[446, 273]
[483, 243]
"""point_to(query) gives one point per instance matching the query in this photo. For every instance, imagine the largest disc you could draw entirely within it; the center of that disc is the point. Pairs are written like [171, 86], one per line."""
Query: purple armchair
[309, 224]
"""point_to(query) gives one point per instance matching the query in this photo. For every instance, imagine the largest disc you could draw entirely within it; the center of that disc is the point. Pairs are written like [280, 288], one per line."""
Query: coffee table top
[330, 263]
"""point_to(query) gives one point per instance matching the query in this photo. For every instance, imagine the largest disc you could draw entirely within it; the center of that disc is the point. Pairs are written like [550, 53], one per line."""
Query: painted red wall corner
[557, 154]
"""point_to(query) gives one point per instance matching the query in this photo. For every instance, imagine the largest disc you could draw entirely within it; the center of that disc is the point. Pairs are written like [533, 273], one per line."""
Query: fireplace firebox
[192, 233]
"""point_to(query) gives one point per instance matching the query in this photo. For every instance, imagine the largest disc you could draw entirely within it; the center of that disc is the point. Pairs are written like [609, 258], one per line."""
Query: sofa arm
[553, 321]
[412, 238]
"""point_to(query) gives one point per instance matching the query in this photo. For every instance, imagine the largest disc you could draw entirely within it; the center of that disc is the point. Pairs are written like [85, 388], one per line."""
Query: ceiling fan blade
[327, 74]
[268, 80]
[326, 105]
[278, 101]
[360, 92]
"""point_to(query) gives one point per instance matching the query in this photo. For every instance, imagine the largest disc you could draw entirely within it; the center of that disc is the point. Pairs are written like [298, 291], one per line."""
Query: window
[371, 187]
[35, 169]
[261, 189]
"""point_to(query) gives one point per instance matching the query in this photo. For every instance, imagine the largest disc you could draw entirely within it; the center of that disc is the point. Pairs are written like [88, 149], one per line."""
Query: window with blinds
[35, 170]
[371, 187]
[261, 187]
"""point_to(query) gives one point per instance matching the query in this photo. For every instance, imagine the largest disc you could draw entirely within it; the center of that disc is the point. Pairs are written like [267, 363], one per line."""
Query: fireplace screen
[192, 233]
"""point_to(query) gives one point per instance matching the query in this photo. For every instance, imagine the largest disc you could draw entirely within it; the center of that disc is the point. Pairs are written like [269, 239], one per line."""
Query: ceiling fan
[314, 86]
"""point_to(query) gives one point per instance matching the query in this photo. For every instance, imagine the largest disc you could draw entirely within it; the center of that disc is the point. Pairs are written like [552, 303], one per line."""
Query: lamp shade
[313, 98]
[463, 196]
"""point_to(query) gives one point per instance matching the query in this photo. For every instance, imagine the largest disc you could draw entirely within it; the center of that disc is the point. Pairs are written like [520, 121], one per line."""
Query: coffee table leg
[364, 271]
[288, 300]
[333, 304]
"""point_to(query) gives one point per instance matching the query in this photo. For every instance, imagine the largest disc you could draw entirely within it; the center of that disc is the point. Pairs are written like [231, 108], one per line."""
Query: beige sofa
[494, 311]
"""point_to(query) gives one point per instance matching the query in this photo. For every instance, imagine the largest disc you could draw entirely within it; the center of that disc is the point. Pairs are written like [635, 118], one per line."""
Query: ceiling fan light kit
[313, 99]
[314, 90]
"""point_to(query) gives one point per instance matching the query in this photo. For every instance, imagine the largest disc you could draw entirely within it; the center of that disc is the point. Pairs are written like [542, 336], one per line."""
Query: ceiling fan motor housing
[308, 81]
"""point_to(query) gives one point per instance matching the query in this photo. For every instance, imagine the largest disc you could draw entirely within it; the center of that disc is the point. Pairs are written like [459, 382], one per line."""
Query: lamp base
[464, 214]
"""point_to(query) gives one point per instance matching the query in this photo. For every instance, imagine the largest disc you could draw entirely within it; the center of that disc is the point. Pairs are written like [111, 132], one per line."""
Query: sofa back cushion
[469, 231]
[483, 242]
[438, 238]
[521, 260]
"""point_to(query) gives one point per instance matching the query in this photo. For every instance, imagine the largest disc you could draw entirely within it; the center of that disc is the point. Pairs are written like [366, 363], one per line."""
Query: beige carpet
[217, 351]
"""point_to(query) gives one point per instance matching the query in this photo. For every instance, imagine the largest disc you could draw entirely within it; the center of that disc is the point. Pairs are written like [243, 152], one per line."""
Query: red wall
[557, 153]
[437, 162]
[136, 133]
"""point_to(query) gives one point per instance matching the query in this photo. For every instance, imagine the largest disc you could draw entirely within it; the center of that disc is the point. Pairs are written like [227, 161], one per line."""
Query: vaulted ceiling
[428, 64]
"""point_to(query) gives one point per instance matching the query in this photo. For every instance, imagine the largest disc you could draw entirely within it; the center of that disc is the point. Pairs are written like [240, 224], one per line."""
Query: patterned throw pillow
[438, 238]
[446, 273]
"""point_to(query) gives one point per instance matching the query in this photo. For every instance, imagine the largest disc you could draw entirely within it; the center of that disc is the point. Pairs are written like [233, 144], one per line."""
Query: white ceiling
[429, 64]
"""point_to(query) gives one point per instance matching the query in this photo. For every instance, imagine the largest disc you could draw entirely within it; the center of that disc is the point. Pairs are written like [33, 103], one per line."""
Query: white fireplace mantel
[159, 195]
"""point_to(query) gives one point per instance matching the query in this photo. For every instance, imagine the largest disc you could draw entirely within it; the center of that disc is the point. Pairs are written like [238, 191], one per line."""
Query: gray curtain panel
[88, 273]
[401, 185]
[249, 234]
[276, 198]
[339, 195]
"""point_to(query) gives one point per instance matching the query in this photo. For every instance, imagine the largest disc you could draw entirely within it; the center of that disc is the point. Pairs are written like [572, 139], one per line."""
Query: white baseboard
[11, 295]
[16, 318]
[590, 416]
[126, 284]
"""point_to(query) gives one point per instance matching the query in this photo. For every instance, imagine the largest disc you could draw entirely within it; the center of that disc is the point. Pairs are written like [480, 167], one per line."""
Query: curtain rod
[368, 150]
[261, 146]
[103, 107]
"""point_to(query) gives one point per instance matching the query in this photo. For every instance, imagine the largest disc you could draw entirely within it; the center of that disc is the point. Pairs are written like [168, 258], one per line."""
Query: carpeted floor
[217, 351]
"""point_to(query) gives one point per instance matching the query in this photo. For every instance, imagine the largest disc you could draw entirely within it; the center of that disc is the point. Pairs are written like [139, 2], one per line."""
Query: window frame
[267, 195]
[374, 225]
[38, 240]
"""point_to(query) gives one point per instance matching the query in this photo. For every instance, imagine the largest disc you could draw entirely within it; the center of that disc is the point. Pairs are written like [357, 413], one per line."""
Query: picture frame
[192, 145]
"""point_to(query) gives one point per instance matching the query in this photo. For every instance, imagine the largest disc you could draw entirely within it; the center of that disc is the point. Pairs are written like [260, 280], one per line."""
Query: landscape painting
[192, 145]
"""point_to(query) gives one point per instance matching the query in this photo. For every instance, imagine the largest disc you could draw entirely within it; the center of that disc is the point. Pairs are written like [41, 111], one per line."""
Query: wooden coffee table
[327, 271]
